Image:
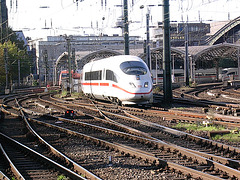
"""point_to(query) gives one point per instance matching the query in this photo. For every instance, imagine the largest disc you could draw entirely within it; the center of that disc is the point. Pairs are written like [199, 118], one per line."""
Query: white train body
[229, 74]
[123, 78]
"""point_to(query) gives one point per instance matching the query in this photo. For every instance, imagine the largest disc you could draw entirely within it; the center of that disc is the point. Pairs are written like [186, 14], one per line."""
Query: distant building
[56, 46]
[196, 33]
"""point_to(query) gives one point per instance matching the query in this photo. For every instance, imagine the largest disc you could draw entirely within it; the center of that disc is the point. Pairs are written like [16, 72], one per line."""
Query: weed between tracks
[233, 136]
[198, 127]
[73, 94]
[62, 177]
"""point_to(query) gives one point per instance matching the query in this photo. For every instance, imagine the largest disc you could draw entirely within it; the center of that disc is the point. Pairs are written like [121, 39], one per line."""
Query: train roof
[115, 59]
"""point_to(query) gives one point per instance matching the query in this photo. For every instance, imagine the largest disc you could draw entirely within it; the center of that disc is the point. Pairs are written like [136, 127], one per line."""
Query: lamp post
[238, 51]
[6, 69]
[148, 56]
[45, 60]
[148, 51]
[186, 61]
[68, 39]
[126, 31]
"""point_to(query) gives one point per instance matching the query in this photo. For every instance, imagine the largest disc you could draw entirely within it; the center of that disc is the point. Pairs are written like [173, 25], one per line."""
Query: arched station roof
[224, 50]
[197, 53]
[159, 53]
[227, 30]
[207, 54]
[62, 59]
[204, 53]
[97, 55]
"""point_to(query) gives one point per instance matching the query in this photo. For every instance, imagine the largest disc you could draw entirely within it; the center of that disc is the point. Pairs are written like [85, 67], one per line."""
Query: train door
[104, 85]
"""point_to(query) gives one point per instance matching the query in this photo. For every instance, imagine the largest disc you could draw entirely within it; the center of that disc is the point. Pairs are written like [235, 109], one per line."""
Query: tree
[16, 50]
[9, 35]
[13, 55]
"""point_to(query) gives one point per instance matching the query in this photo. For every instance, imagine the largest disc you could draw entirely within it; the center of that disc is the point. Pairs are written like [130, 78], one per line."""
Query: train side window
[178, 74]
[87, 76]
[199, 74]
[94, 75]
[111, 76]
[231, 73]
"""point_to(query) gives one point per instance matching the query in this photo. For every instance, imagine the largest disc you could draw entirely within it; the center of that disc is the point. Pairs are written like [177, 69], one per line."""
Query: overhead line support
[167, 80]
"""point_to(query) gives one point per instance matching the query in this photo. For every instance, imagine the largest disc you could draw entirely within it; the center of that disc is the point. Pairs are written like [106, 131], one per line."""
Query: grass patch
[73, 94]
[198, 127]
[156, 89]
[62, 94]
[62, 177]
[53, 91]
[181, 108]
[232, 137]
[76, 94]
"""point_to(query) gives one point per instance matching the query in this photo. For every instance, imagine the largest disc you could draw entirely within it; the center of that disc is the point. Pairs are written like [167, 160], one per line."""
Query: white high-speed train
[229, 74]
[124, 79]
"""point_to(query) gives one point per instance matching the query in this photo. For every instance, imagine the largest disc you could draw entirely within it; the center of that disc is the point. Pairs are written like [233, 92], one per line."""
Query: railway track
[213, 97]
[34, 145]
[136, 137]
[28, 163]
[175, 137]
[120, 142]
[155, 152]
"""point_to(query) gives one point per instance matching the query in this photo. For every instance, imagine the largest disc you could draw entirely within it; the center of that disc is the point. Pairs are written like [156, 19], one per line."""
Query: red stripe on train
[104, 84]
[91, 84]
[113, 85]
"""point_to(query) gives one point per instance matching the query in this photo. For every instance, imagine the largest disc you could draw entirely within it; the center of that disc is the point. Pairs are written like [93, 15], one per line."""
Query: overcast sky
[39, 18]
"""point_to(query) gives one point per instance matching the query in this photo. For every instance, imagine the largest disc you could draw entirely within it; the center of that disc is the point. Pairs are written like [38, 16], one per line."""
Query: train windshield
[224, 71]
[133, 68]
[64, 75]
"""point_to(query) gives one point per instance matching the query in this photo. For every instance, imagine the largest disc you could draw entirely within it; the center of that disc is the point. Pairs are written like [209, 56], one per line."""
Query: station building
[205, 47]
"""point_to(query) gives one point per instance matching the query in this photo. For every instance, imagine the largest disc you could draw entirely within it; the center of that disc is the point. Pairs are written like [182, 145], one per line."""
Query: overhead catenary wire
[111, 13]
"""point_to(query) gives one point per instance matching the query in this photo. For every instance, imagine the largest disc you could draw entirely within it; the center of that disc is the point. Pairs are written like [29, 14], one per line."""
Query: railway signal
[2, 115]
[69, 114]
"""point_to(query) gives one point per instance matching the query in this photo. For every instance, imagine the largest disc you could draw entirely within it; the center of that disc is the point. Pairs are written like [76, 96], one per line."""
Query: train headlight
[146, 84]
[132, 84]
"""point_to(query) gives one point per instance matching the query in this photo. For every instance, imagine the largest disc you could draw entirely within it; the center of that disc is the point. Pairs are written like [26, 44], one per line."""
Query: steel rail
[174, 131]
[159, 143]
[132, 130]
[131, 151]
[76, 166]
[3, 176]
[15, 171]
[42, 158]
[62, 106]
[217, 164]
[232, 163]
